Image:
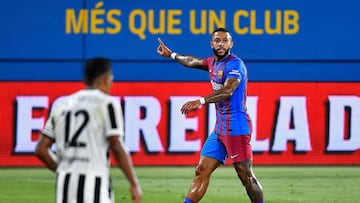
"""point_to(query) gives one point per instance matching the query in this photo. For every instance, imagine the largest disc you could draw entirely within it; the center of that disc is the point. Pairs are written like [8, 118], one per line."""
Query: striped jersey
[80, 127]
[231, 114]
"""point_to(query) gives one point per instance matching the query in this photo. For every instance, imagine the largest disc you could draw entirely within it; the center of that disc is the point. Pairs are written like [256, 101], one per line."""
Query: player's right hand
[189, 106]
[162, 49]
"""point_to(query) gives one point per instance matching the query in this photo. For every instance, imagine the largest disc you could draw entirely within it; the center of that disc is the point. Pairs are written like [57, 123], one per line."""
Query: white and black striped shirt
[80, 127]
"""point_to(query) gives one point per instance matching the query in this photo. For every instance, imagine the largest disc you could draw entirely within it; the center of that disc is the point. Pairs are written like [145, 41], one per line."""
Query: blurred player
[232, 133]
[84, 127]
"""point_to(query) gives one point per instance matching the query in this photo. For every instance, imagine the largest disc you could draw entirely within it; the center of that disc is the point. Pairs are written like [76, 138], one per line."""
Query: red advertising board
[295, 123]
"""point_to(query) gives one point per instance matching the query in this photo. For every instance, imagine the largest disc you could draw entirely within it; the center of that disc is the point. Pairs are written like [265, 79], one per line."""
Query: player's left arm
[224, 93]
[115, 132]
[124, 162]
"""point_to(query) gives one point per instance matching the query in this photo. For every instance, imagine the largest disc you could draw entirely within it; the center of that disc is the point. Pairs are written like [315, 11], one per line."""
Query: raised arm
[186, 60]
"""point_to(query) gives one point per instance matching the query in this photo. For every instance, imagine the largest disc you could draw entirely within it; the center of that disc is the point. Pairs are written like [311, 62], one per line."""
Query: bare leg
[202, 178]
[248, 179]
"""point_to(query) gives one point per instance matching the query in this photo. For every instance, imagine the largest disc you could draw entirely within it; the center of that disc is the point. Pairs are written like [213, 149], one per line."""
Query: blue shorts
[214, 148]
[237, 147]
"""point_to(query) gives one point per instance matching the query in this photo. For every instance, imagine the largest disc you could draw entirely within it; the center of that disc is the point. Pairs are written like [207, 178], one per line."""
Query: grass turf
[170, 184]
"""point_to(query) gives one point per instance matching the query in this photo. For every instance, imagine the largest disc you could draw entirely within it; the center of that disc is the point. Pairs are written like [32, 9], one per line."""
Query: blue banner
[311, 34]
[272, 29]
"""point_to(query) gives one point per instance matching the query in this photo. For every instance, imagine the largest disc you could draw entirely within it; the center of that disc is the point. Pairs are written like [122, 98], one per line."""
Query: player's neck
[220, 58]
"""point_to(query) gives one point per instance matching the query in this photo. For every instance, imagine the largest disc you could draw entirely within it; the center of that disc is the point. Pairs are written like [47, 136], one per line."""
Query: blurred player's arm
[186, 60]
[44, 153]
[124, 162]
[224, 93]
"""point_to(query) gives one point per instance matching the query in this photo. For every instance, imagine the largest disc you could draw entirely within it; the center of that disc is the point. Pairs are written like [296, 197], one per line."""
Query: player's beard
[220, 56]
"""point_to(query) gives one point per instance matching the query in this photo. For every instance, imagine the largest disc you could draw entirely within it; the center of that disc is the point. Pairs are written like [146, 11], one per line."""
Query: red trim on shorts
[227, 117]
[221, 131]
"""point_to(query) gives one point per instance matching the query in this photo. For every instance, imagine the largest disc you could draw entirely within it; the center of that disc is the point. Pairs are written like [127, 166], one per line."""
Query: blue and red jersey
[231, 114]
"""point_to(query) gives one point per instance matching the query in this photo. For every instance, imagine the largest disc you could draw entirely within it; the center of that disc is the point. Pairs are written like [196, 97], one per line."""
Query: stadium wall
[303, 60]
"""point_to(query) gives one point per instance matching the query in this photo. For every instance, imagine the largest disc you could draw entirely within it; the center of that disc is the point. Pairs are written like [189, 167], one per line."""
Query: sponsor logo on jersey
[216, 86]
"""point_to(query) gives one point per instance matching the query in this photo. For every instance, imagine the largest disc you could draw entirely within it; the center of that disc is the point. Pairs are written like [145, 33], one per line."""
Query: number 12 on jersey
[71, 134]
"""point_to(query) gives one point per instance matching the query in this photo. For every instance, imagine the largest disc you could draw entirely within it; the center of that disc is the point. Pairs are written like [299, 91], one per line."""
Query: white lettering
[257, 145]
[179, 124]
[26, 123]
[142, 116]
[292, 124]
[338, 106]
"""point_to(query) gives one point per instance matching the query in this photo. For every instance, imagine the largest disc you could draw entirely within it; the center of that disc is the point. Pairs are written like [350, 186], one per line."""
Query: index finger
[160, 41]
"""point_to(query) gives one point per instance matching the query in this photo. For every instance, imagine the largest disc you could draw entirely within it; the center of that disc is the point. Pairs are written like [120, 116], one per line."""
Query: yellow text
[209, 21]
[94, 21]
[168, 21]
[274, 22]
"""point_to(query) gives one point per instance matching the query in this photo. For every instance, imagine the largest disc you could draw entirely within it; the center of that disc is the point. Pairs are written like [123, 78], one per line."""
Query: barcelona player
[232, 132]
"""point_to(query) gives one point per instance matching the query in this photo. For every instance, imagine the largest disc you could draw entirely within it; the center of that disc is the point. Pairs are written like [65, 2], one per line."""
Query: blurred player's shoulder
[90, 96]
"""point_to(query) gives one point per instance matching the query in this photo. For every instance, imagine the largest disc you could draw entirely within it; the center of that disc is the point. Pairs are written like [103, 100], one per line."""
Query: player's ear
[101, 80]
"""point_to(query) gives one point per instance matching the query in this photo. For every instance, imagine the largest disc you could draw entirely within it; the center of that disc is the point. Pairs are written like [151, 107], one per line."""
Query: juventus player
[84, 127]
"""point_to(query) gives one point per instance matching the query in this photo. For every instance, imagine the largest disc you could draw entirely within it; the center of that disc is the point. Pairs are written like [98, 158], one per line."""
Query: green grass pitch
[332, 184]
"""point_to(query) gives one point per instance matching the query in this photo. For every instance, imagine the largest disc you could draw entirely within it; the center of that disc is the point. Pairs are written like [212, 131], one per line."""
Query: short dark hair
[220, 29]
[94, 68]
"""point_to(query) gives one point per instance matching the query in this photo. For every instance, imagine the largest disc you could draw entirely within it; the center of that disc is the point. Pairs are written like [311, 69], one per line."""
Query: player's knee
[201, 171]
[242, 170]
[248, 181]
[245, 174]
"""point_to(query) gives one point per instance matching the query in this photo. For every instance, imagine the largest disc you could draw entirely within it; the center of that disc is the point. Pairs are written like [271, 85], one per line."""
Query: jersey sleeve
[206, 61]
[49, 129]
[114, 122]
[234, 69]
